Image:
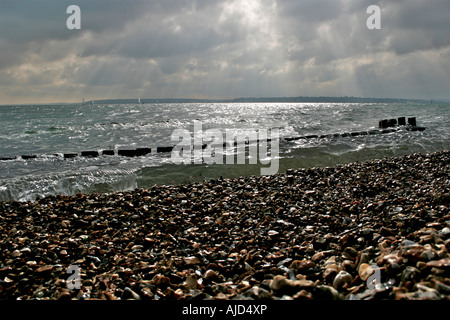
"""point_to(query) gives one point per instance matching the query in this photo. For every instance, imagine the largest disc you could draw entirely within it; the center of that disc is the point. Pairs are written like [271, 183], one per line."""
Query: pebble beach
[362, 231]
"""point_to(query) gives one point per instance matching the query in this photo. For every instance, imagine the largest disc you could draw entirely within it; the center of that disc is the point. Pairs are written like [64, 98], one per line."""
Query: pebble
[211, 275]
[258, 293]
[191, 282]
[365, 271]
[443, 263]
[329, 274]
[409, 274]
[279, 283]
[282, 284]
[341, 279]
[129, 294]
[445, 232]
[348, 266]
[324, 292]
[191, 260]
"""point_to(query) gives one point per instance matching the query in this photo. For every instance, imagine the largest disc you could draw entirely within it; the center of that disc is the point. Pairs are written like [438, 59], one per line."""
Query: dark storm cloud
[419, 25]
[24, 21]
[28, 26]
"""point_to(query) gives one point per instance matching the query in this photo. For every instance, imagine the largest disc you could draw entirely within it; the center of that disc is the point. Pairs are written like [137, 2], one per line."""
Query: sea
[44, 133]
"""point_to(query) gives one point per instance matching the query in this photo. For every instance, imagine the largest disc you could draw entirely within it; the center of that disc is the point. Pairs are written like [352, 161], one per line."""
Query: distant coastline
[300, 99]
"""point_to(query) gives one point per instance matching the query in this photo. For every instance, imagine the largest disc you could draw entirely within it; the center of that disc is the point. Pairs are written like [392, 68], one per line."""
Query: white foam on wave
[67, 183]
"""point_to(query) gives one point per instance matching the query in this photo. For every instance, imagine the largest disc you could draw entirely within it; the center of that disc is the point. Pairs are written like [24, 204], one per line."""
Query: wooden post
[412, 121]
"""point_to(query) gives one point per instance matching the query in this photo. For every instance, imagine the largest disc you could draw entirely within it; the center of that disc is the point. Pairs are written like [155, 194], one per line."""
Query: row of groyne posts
[385, 126]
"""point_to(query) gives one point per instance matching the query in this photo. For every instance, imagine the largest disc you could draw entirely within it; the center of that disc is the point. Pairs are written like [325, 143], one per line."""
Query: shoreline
[317, 233]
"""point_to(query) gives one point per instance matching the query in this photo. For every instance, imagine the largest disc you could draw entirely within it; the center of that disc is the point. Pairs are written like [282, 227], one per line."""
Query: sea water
[49, 131]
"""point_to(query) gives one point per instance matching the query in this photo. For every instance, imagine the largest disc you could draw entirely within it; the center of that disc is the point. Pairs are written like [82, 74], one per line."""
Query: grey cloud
[27, 20]
[407, 26]
[178, 31]
[112, 72]
[153, 43]
[417, 25]
[423, 15]
[311, 10]
[9, 56]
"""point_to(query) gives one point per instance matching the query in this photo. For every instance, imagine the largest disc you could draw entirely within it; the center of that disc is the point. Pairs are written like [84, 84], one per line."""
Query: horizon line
[274, 99]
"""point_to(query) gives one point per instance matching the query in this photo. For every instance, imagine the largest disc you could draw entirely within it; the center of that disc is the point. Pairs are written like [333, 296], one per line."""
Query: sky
[222, 49]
